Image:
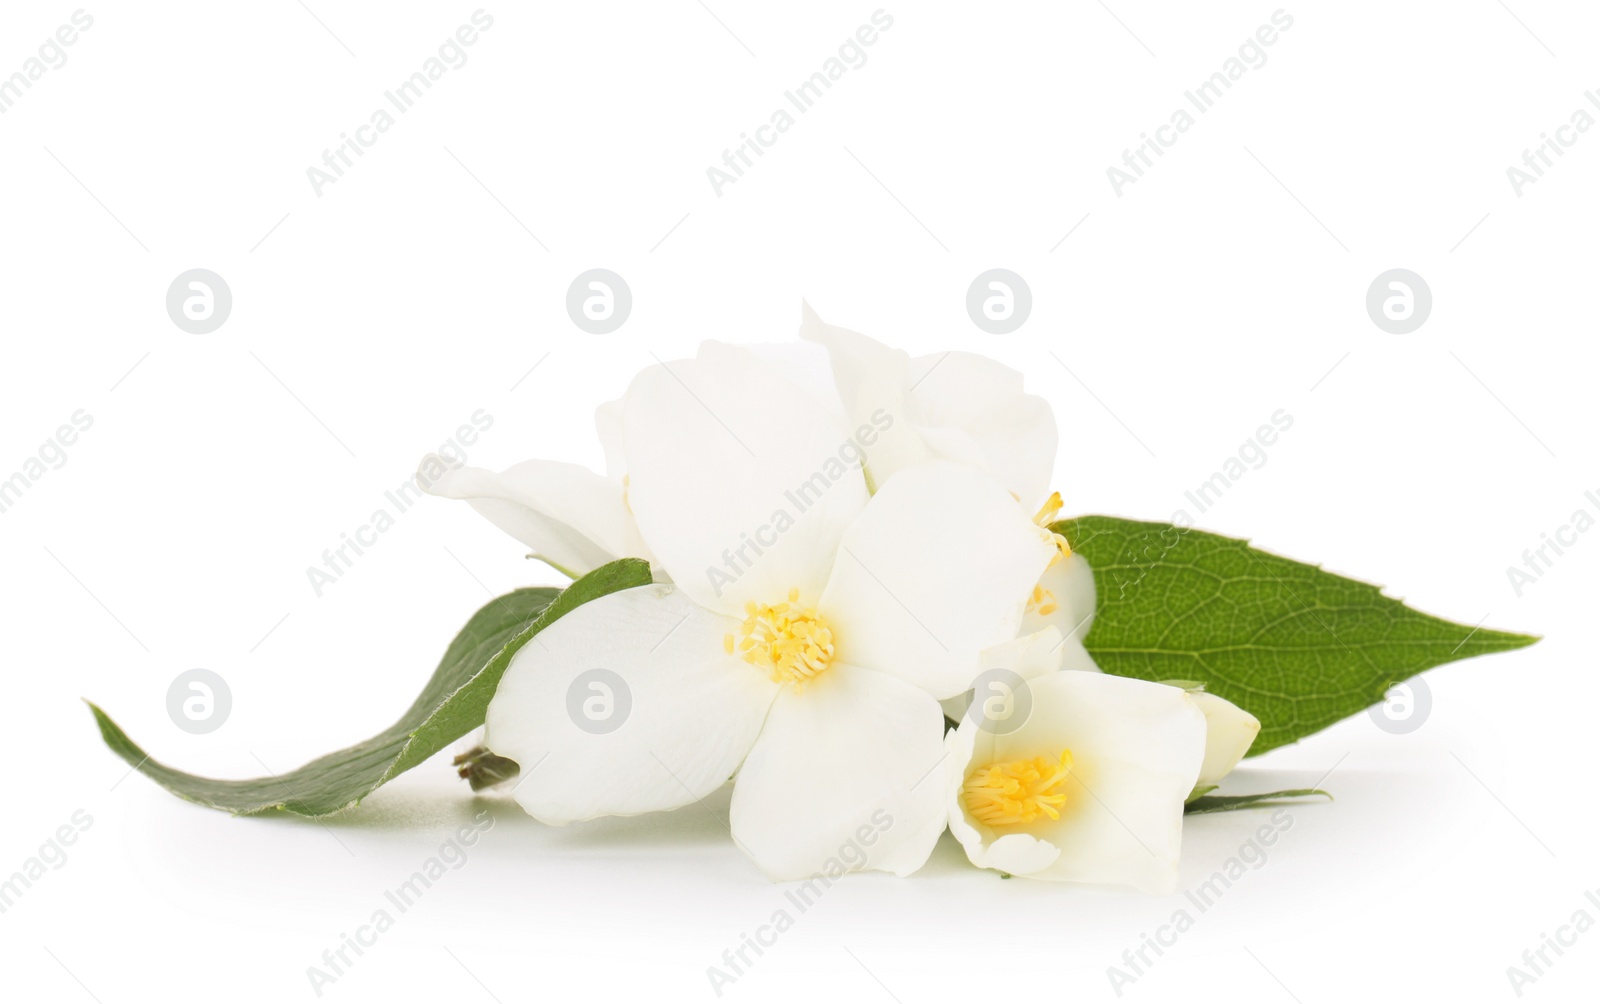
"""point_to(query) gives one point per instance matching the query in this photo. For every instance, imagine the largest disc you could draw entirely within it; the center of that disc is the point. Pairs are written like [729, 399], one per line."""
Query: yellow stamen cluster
[791, 642]
[1042, 602]
[1044, 517]
[1017, 792]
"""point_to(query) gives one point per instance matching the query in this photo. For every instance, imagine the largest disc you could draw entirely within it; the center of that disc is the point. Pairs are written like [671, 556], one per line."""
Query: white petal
[570, 517]
[874, 382]
[854, 357]
[845, 776]
[1077, 658]
[1070, 584]
[951, 405]
[1018, 854]
[1044, 651]
[608, 425]
[1229, 732]
[688, 713]
[936, 569]
[1136, 749]
[1028, 656]
[802, 364]
[1004, 664]
[969, 407]
[740, 480]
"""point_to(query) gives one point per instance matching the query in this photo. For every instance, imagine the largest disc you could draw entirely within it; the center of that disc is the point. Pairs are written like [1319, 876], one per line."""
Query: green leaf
[1298, 647]
[452, 704]
[1227, 803]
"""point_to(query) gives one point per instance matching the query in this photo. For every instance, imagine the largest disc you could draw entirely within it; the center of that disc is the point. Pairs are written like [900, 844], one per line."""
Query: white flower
[1089, 788]
[805, 637]
[969, 408]
[1064, 600]
[954, 405]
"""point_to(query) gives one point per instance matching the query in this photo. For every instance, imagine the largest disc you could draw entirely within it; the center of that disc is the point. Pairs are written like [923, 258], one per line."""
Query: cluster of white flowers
[843, 537]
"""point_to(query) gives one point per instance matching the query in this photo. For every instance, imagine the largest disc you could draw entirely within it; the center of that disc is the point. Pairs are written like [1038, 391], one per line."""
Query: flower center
[793, 643]
[1019, 791]
[1044, 517]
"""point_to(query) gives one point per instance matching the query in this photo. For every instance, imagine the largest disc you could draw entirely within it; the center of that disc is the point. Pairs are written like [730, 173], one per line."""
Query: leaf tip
[103, 720]
[1499, 641]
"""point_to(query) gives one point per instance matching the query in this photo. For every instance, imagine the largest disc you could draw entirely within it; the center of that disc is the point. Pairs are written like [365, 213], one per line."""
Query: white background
[374, 319]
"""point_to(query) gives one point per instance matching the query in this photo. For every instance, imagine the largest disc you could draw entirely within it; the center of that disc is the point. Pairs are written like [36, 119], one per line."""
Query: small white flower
[1091, 786]
[805, 637]
[1230, 730]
